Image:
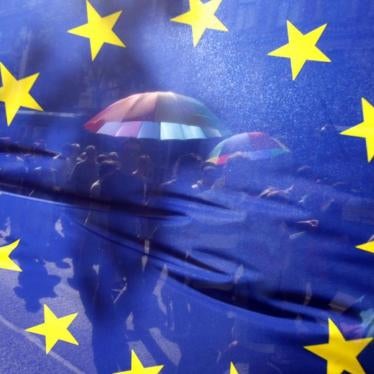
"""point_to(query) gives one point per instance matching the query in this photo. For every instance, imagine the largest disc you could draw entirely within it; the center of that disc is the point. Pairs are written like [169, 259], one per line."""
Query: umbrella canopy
[157, 115]
[255, 145]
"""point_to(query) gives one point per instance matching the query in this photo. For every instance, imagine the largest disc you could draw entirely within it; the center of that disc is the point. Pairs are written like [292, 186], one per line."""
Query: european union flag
[186, 186]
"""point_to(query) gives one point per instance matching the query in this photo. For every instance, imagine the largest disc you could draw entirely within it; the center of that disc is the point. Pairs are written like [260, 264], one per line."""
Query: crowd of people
[232, 232]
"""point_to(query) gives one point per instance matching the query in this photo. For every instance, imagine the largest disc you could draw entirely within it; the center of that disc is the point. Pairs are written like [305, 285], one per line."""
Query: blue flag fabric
[134, 240]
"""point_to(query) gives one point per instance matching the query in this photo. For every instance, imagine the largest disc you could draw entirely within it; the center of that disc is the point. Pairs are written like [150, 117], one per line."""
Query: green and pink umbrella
[157, 115]
[254, 145]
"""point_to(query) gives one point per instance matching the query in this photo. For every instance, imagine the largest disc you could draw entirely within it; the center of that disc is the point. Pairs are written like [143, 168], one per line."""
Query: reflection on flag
[178, 207]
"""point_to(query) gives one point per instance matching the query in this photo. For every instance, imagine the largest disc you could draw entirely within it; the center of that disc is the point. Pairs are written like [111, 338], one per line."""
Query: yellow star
[301, 48]
[201, 17]
[138, 368]
[233, 369]
[54, 329]
[5, 261]
[99, 30]
[369, 247]
[365, 129]
[340, 354]
[16, 93]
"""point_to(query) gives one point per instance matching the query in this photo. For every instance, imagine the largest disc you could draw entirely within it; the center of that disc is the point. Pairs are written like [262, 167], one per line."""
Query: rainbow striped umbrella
[254, 145]
[157, 115]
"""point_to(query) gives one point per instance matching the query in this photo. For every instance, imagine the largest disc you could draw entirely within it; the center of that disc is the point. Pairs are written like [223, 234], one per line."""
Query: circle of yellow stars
[339, 353]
